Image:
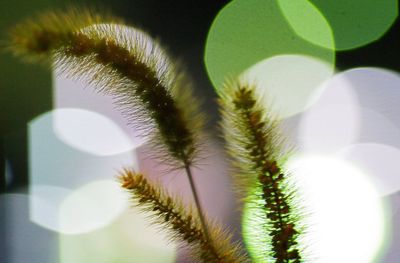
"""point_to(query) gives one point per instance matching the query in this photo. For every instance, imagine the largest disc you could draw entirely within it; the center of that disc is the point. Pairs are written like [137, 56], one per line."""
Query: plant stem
[197, 201]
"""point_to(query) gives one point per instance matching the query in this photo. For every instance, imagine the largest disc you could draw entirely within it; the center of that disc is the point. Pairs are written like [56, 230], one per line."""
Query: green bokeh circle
[358, 22]
[253, 230]
[248, 31]
[308, 22]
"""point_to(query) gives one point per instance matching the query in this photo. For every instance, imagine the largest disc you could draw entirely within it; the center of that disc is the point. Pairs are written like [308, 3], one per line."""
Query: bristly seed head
[253, 144]
[183, 223]
[126, 63]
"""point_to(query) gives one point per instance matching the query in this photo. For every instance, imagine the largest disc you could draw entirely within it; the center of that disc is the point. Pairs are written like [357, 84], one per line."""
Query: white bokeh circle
[379, 162]
[90, 132]
[333, 120]
[346, 217]
[286, 82]
[91, 207]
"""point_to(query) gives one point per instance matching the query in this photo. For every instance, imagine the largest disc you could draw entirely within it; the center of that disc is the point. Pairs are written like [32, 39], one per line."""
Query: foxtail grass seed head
[36, 38]
[254, 146]
[152, 92]
[183, 223]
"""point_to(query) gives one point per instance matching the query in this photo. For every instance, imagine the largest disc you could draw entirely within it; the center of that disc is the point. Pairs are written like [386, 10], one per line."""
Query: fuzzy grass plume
[183, 224]
[255, 147]
[151, 91]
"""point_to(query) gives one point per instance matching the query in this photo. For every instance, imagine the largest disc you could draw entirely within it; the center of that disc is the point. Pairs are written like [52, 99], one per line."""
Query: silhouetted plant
[253, 143]
[182, 221]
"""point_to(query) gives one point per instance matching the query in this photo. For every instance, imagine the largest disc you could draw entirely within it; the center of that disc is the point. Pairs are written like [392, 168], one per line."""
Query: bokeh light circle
[90, 132]
[342, 202]
[44, 204]
[253, 229]
[286, 82]
[333, 119]
[63, 178]
[92, 206]
[344, 215]
[356, 23]
[85, 209]
[378, 128]
[52, 162]
[377, 89]
[246, 32]
[131, 237]
[379, 161]
[308, 22]
[71, 94]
